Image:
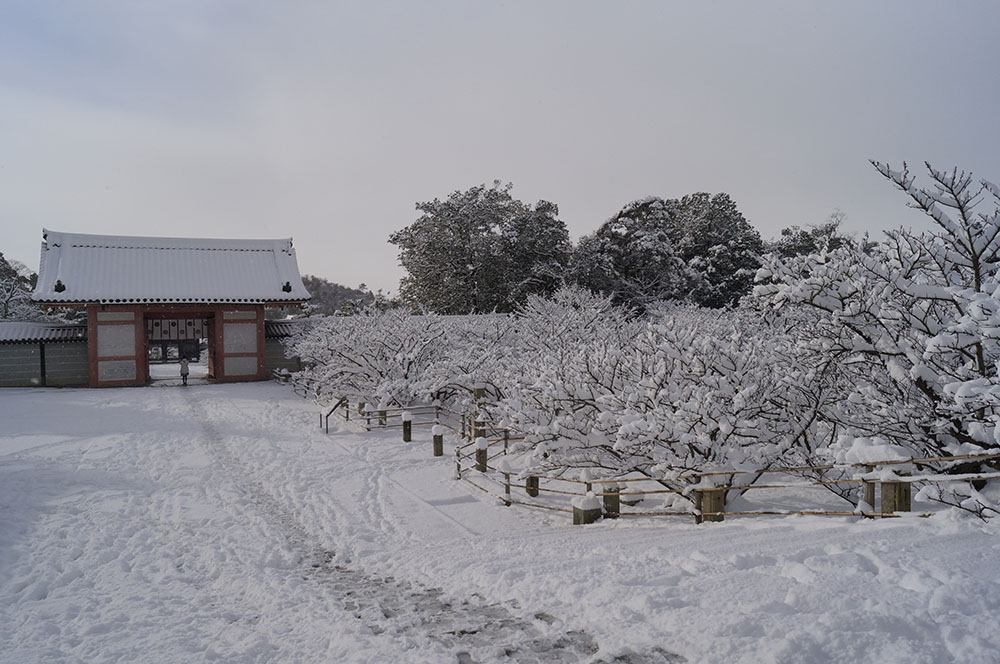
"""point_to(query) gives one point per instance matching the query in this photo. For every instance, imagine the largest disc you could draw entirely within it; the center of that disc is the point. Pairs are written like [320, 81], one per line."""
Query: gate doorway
[171, 339]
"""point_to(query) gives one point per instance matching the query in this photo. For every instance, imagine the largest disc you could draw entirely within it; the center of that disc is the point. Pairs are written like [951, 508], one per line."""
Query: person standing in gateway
[184, 370]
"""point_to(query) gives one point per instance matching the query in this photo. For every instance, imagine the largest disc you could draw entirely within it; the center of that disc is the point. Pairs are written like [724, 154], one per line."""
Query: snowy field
[218, 523]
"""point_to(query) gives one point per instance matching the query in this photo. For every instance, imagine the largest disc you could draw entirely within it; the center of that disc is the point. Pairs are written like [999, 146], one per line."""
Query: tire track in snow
[473, 630]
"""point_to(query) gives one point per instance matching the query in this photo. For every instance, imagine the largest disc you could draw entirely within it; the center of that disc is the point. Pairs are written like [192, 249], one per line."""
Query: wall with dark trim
[65, 364]
[274, 357]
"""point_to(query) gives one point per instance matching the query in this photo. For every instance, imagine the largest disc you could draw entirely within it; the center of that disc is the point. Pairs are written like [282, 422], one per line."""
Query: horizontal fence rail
[483, 460]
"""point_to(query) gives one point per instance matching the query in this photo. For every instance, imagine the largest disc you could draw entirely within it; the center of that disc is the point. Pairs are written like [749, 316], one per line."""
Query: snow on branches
[911, 324]
[908, 319]
[894, 344]
[592, 386]
[377, 355]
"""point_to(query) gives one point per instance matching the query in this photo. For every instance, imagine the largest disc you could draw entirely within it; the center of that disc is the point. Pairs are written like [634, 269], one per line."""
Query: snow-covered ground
[171, 372]
[218, 523]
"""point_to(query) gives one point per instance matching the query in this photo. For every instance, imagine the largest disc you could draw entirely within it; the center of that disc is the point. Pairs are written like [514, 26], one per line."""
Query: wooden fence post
[504, 468]
[479, 426]
[612, 501]
[407, 426]
[479, 392]
[437, 433]
[482, 450]
[868, 489]
[895, 497]
[458, 463]
[531, 486]
[711, 505]
[381, 418]
[586, 509]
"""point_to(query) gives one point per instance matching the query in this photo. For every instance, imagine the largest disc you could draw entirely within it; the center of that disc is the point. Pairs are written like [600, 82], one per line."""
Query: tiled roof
[109, 269]
[13, 332]
[277, 329]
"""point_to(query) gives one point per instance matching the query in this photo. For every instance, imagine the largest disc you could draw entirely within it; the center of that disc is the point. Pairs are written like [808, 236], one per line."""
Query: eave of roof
[278, 329]
[18, 332]
[76, 268]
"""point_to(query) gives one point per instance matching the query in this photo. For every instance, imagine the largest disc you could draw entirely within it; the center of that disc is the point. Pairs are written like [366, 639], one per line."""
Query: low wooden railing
[482, 457]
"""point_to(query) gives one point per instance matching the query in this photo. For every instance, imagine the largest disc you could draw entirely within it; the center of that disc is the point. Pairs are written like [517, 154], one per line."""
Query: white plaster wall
[241, 366]
[239, 338]
[115, 340]
[116, 370]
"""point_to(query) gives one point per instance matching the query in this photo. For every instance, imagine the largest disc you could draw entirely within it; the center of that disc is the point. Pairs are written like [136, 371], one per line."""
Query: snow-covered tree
[909, 321]
[329, 298]
[798, 241]
[16, 284]
[481, 250]
[592, 385]
[476, 351]
[377, 355]
[535, 251]
[687, 388]
[633, 263]
[698, 249]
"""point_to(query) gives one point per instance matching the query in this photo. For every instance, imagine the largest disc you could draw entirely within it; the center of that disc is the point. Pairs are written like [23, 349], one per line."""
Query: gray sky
[328, 121]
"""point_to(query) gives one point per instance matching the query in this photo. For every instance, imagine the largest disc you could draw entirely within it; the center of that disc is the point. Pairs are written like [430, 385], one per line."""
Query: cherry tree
[684, 388]
[378, 355]
[910, 322]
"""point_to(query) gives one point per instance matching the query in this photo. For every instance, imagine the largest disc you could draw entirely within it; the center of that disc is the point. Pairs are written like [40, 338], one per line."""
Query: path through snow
[471, 628]
[218, 523]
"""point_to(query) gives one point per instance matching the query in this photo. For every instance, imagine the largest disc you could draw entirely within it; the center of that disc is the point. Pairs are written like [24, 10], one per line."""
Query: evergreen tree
[798, 241]
[16, 284]
[699, 249]
[329, 298]
[481, 250]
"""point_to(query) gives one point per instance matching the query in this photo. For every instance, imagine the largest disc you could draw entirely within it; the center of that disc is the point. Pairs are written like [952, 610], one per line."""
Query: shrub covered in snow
[379, 355]
[910, 321]
[592, 386]
[911, 324]
[863, 346]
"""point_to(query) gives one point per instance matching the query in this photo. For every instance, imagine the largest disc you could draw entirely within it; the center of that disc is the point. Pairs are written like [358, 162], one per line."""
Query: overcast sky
[328, 121]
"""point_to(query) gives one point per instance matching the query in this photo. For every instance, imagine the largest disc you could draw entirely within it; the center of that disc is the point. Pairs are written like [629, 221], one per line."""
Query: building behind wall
[130, 286]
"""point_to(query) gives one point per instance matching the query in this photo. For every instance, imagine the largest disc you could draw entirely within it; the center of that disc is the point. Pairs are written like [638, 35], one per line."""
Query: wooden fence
[483, 460]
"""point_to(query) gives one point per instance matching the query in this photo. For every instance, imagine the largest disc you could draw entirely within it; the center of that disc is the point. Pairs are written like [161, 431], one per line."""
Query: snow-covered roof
[277, 329]
[14, 332]
[110, 269]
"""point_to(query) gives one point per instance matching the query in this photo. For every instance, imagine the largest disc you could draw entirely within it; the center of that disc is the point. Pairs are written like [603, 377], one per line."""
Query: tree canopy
[481, 250]
[814, 238]
[329, 297]
[699, 249]
[16, 284]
